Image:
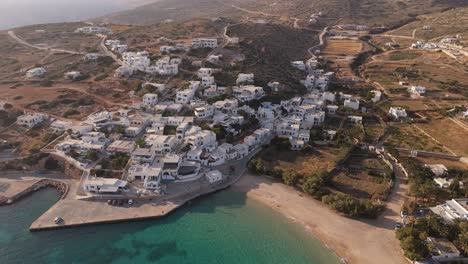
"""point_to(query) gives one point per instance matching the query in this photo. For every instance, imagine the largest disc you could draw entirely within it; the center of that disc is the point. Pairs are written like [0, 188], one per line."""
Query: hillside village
[169, 147]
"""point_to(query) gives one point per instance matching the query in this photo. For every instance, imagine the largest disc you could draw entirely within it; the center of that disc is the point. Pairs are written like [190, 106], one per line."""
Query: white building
[247, 93]
[377, 96]
[227, 106]
[442, 249]
[204, 43]
[332, 109]
[31, 119]
[150, 99]
[208, 81]
[204, 112]
[418, 90]
[121, 146]
[93, 30]
[214, 176]
[205, 72]
[185, 96]
[439, 170]
[72, 75]
[214, 58]
[245, 78]
[299, 65]
[36, 72]
[397, 112]
[103, 185]
[452, 210]
[136, 60]
[60, 126]
[123, 72]
[120, 48]
[352, 103]
[99, 119]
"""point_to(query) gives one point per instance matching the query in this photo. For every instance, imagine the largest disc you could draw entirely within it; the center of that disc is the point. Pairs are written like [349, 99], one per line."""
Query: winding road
[23, 42]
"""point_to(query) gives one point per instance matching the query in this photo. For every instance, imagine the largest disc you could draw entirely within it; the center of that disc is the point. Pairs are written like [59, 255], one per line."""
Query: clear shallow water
[15, 13]
[222, 228]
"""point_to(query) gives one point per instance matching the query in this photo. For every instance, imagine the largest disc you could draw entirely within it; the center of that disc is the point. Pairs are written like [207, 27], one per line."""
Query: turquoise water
[221, 228]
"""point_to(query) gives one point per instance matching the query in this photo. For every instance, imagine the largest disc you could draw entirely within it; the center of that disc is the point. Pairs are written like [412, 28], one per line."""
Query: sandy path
[356, 241]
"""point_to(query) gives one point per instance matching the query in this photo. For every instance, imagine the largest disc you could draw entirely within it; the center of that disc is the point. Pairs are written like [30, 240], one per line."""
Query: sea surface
[15, 13]
[221, 228]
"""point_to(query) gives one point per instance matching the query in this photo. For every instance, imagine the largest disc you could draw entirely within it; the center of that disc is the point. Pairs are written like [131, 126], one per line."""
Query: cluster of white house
[140, 62]
[116, 46]
[93, 30]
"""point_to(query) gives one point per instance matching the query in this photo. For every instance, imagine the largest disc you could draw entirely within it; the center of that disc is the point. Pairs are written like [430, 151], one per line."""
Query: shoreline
[353, 241]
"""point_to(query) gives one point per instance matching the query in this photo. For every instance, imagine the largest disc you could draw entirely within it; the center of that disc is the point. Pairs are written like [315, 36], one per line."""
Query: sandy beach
[370, 241]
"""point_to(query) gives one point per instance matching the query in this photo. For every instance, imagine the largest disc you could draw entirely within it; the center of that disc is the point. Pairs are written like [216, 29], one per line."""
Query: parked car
[397, 226]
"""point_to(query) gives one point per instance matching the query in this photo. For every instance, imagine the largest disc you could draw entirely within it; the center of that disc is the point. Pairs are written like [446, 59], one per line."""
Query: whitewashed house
[103, 185]
[397, 112]
[205, 72]
[60, 126]
[214, 176]
[36, 72]
[300, 65]
[377, 96]
[452, 210]
[204, 112]
[99, 119]
[418, 90]
[185, 96]
[351, 103]
[31, 119]
[93, 30]
[204, 43]
[248, 93]
[242, 150]
[208, 81]
[150, 175]
[245, 78]
[214, 58]
[72, 75]
[123, 72]
[150, 99]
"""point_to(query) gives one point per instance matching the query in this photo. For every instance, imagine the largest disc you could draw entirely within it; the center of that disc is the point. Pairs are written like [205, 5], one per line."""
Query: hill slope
[371, 12]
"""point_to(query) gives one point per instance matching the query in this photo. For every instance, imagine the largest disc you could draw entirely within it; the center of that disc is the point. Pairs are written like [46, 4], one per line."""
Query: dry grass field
[342, 47]
[436, 71]
[60, 35]
[451, 22]
[304, 164]
[449, 134]
[360, 185]
[408, 136]
[447, 163]
[341, 53]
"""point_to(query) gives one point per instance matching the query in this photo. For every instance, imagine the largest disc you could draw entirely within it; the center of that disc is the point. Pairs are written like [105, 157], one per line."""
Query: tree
[462, 238]
[140, 142]
[312, 185]
[415, 249]
[91, 155]
[120, 129]
[291, 177]
[51, 164]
